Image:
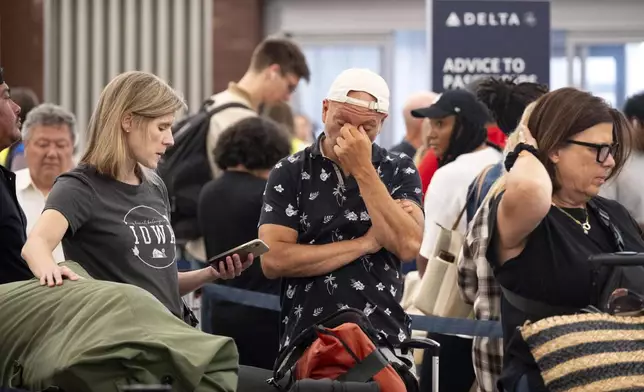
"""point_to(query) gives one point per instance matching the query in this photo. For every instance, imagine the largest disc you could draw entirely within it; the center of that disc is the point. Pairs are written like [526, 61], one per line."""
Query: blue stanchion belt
[444, 325]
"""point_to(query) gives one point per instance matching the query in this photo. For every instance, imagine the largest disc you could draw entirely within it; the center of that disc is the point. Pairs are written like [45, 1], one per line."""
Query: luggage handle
[432, 346]
[617, 259]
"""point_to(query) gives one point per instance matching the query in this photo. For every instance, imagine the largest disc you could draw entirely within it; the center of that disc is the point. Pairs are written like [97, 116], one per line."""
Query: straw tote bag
[588, 352]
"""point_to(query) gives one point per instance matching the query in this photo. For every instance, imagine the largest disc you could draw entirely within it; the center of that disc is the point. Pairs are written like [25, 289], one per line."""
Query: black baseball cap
[455, 103]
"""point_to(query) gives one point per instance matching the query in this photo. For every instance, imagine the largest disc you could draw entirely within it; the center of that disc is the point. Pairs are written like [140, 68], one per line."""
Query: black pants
[456, 371]
[252, 379]
[255, 331]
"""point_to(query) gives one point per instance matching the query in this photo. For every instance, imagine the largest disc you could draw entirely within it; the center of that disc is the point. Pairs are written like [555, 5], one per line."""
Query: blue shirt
[473, 200]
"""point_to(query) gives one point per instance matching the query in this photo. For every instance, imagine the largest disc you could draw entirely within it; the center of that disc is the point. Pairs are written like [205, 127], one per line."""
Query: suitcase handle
[432, 346]
[617, 259]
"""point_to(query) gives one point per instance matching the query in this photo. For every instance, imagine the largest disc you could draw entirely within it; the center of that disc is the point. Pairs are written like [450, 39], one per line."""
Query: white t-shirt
[32, 201]
[447, 194]
[627, 189]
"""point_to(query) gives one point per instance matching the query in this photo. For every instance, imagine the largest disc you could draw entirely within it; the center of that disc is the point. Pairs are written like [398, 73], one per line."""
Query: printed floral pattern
[310, 194]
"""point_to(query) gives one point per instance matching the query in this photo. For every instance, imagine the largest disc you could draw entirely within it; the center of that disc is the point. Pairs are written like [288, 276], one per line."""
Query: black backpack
[185, 169]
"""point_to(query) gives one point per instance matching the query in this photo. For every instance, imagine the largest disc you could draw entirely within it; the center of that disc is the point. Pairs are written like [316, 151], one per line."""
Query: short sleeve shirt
[310, 194]
[119, 232]
[447, 193]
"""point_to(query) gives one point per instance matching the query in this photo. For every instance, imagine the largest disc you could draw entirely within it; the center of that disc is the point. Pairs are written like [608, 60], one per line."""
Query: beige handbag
[412, 283]
[438, 293]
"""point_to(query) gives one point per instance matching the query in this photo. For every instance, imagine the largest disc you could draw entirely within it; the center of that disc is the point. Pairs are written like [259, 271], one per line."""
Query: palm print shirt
[309, 193]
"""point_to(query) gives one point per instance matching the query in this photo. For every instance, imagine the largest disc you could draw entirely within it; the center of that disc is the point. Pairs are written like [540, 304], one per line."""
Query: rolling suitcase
[433, 348]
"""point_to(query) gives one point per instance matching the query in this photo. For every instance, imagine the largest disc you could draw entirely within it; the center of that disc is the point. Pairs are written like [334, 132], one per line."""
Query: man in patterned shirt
[333, 220]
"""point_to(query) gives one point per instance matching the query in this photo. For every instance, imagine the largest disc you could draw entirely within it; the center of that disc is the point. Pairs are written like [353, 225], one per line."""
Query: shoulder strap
[204, 114]
[605, 219]
[619, 244]
[216, 109]
[477, 184]
[365, 369]
[534, 308]
[481, 180]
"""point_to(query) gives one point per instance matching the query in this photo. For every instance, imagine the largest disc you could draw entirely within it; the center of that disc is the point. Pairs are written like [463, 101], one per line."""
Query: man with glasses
[12, 218]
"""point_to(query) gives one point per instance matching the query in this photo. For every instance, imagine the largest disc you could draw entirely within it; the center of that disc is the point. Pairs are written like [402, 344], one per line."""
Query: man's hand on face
[353, 149]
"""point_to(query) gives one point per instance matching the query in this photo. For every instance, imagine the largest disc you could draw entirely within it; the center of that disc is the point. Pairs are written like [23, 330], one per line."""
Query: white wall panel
[88, 42]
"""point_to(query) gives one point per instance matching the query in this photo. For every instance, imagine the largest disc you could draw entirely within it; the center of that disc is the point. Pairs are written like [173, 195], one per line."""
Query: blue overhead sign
[478, 38]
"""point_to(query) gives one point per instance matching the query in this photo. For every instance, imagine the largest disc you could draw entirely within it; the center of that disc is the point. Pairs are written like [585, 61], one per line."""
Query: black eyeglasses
[603, 150]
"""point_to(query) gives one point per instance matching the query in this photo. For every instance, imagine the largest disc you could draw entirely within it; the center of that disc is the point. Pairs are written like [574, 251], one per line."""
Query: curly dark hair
[256, 143]
[507, 99]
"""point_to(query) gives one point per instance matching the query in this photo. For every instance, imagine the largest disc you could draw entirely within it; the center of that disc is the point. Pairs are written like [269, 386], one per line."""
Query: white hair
[48, 114]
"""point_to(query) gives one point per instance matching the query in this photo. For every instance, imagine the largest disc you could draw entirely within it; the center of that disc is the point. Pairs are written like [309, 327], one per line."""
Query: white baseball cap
[364, 80]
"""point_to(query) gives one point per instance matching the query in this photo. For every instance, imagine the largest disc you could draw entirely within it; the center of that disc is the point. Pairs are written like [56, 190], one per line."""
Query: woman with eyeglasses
[545, 218]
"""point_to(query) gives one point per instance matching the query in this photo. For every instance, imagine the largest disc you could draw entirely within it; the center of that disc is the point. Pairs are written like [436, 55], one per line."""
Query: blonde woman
[111, 211]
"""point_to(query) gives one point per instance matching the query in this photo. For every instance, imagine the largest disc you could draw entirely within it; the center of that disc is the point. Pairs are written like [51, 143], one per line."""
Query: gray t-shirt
[119, 232]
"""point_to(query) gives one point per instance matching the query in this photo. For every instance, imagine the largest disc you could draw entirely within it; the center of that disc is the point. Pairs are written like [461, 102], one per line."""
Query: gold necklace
[585, 226]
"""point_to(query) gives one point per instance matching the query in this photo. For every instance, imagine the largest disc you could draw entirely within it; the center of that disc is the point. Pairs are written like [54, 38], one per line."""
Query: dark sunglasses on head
[603, 150]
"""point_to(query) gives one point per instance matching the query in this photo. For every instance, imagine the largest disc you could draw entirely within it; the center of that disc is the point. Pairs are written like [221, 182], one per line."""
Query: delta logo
[493, 19]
